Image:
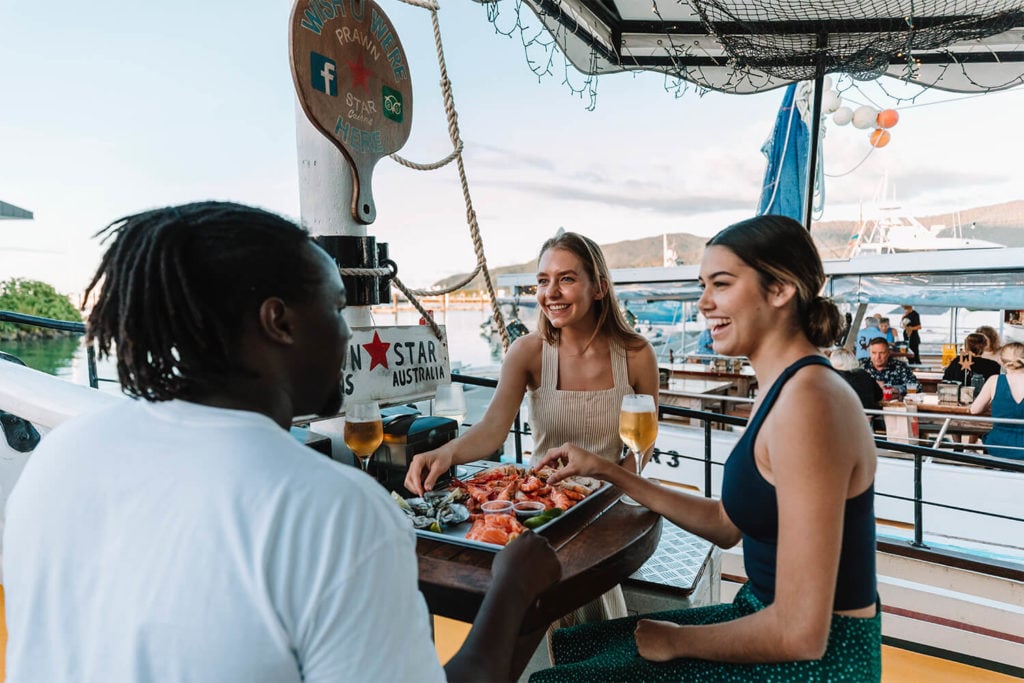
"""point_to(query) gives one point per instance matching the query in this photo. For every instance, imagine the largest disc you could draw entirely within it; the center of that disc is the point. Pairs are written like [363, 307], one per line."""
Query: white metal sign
[395, 364]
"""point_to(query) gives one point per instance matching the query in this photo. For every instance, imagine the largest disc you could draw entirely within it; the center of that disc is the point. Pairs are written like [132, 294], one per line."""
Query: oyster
[453, 513]
[435, 510]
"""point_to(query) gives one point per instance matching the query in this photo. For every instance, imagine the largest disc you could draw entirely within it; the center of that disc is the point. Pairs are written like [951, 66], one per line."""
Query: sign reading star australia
[405, 362]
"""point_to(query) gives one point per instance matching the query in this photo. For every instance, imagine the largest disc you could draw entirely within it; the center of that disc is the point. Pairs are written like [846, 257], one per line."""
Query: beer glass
[449, 401]
[638, 429]
[363, 430]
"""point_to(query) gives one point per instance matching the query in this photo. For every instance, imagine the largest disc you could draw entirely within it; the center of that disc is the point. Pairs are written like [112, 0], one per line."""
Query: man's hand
[530, 561]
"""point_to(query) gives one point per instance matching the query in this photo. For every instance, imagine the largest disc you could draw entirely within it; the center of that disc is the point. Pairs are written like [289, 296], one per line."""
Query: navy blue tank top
[751, 504]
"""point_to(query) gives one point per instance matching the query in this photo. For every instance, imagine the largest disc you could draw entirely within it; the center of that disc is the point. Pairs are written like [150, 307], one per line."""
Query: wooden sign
[392, 364]
[352, 80]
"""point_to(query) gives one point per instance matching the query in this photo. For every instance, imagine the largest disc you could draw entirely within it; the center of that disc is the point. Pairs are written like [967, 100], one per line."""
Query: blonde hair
[844, 359]
[1012, 356]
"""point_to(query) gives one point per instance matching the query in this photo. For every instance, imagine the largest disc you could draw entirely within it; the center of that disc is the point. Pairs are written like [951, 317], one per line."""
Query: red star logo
[378, 351]
[360, 74]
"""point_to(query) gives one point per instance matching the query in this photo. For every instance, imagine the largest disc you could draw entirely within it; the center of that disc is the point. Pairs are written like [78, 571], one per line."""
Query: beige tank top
[589, 419]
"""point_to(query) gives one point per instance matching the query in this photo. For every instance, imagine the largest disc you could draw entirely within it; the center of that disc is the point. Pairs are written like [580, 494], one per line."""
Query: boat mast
[812, 162]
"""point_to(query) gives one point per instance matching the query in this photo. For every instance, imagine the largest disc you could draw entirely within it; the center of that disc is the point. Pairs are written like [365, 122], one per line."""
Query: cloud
[682, 203]
[493, 156]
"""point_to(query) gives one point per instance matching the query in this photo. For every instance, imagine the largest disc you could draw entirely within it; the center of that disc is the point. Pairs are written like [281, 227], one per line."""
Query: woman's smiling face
[734, 302]
[565, 292]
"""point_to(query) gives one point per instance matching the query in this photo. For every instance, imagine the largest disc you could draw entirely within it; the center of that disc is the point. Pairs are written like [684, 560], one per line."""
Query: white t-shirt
[176, 542]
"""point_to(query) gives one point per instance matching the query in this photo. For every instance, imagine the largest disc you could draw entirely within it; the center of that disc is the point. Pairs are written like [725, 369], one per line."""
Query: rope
[471, 218]
[390, 271]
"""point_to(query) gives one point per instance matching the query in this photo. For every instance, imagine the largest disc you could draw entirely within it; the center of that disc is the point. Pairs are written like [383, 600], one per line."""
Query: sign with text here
[395, 364]
[352, 80]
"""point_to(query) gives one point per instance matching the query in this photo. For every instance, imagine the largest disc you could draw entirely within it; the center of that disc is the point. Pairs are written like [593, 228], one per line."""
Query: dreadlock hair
[781, 250]
[178, 283]
[610, 320]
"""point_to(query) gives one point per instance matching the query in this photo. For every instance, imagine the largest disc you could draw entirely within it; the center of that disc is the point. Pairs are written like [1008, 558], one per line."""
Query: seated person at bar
[1005, 394]
[883, 368]
[885, 330]
[994, 342]
[868, 391]
[186, 535]
[868, 332]
[970, 363]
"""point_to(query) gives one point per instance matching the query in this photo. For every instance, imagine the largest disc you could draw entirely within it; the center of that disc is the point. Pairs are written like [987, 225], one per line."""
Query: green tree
[32, 297]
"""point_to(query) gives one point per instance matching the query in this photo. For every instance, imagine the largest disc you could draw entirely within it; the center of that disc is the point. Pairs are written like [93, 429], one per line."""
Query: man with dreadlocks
[186, 535]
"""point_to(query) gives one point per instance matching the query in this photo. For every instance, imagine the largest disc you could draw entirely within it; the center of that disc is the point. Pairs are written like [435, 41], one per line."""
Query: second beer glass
[638, 429]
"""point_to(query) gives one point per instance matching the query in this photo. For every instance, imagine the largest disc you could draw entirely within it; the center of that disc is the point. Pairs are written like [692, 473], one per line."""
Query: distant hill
[1000, 223]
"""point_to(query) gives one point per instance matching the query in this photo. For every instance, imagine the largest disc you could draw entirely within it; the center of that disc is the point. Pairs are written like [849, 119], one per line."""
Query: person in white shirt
[186, 536]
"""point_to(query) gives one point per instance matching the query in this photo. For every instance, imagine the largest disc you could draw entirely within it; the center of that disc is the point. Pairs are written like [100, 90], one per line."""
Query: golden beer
[363, 437]
[638, 429]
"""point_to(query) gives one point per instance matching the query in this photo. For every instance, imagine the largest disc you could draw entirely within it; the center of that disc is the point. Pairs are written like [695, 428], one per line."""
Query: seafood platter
[493, 506]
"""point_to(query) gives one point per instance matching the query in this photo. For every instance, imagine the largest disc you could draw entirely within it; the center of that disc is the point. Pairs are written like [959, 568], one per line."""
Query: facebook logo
[323, 71]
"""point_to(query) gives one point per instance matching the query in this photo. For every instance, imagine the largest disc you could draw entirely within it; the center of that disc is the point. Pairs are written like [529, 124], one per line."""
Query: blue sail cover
[785, 179]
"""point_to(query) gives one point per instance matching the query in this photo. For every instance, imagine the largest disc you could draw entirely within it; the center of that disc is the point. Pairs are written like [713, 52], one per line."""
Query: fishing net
[743, 46]
[789, 40]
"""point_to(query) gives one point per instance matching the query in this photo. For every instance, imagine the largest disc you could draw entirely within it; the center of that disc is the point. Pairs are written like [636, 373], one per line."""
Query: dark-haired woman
[797, 490]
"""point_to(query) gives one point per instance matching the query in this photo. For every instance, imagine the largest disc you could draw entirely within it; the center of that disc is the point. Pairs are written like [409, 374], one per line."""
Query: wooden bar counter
[601, 548]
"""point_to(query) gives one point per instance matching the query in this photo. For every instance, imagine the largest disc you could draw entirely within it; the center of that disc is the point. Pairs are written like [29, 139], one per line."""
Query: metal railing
[63, 326]
[708, 420]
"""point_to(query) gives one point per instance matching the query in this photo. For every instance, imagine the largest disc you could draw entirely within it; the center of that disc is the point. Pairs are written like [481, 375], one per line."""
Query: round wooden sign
[352, 79]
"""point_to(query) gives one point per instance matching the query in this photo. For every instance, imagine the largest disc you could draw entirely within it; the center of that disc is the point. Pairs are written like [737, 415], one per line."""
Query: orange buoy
[887, 118]
[880, 137]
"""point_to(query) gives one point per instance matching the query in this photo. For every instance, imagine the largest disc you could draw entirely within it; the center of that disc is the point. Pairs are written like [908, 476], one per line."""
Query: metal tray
[456, 534]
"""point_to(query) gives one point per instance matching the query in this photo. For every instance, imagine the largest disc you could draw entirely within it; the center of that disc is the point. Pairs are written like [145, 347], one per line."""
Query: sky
[110, 108]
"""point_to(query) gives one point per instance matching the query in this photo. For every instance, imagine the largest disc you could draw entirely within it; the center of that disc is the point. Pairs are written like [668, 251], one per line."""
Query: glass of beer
[363, 430]
[638, 429]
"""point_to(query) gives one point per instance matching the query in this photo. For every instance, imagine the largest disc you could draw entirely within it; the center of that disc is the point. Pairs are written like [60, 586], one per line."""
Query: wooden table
[903, 427]
[680, 392]
[744, 381]
[604, 545]
[928, 380]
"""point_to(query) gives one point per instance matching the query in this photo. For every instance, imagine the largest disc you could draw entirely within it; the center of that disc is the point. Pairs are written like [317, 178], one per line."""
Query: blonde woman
[1005, 394]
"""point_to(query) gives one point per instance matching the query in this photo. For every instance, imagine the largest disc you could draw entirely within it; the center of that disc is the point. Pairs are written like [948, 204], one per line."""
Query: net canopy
[747, 46]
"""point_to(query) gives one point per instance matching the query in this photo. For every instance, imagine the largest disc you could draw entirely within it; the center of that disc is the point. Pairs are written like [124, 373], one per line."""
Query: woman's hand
[569, 460]
[432, 464]
[655, 640]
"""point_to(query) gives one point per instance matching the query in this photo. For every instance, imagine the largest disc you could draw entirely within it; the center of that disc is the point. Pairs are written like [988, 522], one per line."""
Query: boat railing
[709, 422]
[61, 326]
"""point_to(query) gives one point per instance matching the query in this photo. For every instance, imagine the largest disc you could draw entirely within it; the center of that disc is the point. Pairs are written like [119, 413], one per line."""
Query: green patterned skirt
[606, 651]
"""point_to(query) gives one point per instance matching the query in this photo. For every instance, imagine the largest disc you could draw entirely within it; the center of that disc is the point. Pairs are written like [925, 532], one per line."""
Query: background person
[885, 369]
[797, 489]
[911, 324]
[865, 335]
[1005, 395]
[970, 363]
[864, 385]
[187, 535]
[885, 330]
[993, 342]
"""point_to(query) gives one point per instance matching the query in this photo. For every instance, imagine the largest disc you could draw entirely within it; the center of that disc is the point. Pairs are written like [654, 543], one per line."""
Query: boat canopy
[989, 279]
[745, 46]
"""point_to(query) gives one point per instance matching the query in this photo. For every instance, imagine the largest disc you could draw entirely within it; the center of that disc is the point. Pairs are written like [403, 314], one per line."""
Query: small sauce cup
[497, 507]
[528, 508]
